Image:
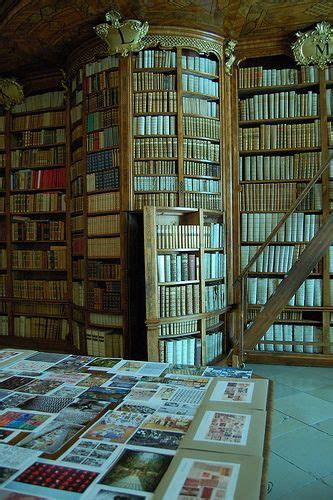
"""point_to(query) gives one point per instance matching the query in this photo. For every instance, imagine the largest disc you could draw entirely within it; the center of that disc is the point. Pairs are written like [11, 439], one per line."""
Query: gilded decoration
[11, 92]
[229, 53]
[122, 37]
[315, 47]
[166, 41]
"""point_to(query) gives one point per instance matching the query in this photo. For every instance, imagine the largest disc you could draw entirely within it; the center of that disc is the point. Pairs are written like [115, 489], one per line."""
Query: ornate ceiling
[35, 33]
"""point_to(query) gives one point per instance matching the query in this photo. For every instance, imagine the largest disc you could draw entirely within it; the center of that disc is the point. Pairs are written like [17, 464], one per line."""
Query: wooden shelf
[279, 120]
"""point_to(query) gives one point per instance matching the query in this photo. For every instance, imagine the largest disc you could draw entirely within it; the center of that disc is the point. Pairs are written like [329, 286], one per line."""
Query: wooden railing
[241, 280]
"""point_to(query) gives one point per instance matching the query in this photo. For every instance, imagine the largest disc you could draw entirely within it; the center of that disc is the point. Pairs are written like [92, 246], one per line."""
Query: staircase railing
[242, 278]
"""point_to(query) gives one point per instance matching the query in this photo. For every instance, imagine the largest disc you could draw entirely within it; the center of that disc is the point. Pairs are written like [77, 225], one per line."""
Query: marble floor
[301, 451]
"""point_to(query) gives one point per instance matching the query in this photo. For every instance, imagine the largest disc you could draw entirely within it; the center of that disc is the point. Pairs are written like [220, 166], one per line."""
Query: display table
[80, 426]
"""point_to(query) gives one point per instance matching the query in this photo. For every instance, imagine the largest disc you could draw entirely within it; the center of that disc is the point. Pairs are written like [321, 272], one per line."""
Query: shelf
[269, 88]
[102, 108]
[168, 250]
[211, 76]
[39, 146]
[278, 181]
[39, 111]
[107, 148]
[98, 191]
[103, 235]
[102, 212]
[156, 158]
[278, 120]
[62, 242]
[153, 113]
[143, 136]
[40, 167]
[208, 97]
[202, 160]
[117, 280]
[195, 115]
[209, 177]
[211, 139]
[39, 190]
[177, 335]
[278, 151]
[176, 283]
[35, 270]
[163, 69]
[107, 257]
[53, 212]
[215, 280]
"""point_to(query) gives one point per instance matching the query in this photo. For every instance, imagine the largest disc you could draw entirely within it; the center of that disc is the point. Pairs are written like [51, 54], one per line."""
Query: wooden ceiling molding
[44, 33]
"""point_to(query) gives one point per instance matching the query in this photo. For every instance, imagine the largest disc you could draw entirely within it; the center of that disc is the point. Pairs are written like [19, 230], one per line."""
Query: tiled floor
[301, 456]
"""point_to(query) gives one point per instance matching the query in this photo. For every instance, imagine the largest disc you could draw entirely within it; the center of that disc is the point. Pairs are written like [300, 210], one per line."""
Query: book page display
[62, 439]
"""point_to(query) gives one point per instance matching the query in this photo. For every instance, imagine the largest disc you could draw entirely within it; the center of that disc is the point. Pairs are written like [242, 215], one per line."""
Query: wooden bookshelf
[283, 122]
[185, 285]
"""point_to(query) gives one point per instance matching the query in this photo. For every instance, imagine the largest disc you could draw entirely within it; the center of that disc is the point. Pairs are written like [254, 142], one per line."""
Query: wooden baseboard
[286, 358]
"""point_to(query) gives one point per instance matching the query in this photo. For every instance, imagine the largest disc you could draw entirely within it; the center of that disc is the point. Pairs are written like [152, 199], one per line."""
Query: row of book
[103, 270]
[106, 298]
[177, 267]
[105, 224]
[40, 101]
[2, 204]
[77, 170]
[215, 297]
[102, 119]
[213, 235]
[78, 245]
[278, 105]
[161, 183]
[155, 200]
[38, 179]
[76, 113]
[78, 293]
[298, 227]
[104, 247]
[274, 259]
[155, 59]
[201, 185]
[178, 328]
[2, 160]
[54, 258]
[277, 196]
[106, 319]
[44, 328]
[196, 168]
[3, 325]
[329, 102]
[39, 202]
[328, 72]
[292, 338]
[100, 81]
[214, 265]
[102, 160]
[262, 197]
[104, 343]
[40, 289]
[155, 167]
[76, 153]
[103, 99]
[155, 147]
[200, 63]
[78, 223]
[101, 181]
[76, 204]
[104, 202]
[309, 293]
[3, 285]
[172, 236]
[153, 81]
[155, 102]
[187, 351]
[2, 141]
[38, 157]
[281, 136]
[3, 258]
[179, 300]
[298, 166]
[206, 86]
[330, 134]
[43, 137]
[38, 230]
[39, 309]
[104, 64]
[203, 107]
[39, 120]
[78, 268]
[103, 139]
[2, 123]
[154, 125]
[2, 182]
[201, 149]
[257, 76]
[201, 127]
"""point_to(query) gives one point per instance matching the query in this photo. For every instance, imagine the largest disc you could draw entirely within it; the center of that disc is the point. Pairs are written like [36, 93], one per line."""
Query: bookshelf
[177, 129]
[185, 285]
[3, 246]
[283, 112]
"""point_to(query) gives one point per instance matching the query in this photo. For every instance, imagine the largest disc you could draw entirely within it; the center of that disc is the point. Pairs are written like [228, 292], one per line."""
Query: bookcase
[177, 129]
[284, 129]
[185, 285]
[33, 215]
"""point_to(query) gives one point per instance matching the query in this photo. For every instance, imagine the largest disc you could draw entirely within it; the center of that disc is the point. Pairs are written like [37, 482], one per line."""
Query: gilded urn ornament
[11, 92]
[122, 37]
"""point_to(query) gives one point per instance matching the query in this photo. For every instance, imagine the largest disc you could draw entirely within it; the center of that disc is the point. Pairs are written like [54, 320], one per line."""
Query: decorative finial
[229, 52]
[122, 37]
[314, 47]
[11, 92]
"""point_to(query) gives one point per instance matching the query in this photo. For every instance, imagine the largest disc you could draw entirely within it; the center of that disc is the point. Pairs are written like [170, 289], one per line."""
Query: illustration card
[93, 380]
[52, 437]
[89, 453]
[243, 393]
[46, 404]
[131, 471]
[40, 386]
[105, 493]
[14, 401]
[115, 426]
[167, 422]
[54, 476]
[112, 395]
[238, 431]
[68, 391]
[201, 474]
[153, 438]
[14, 495]
[103, 364]
[219, 371]
[13, 383]
[15, 457]
[47, 357]
[22, 421]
